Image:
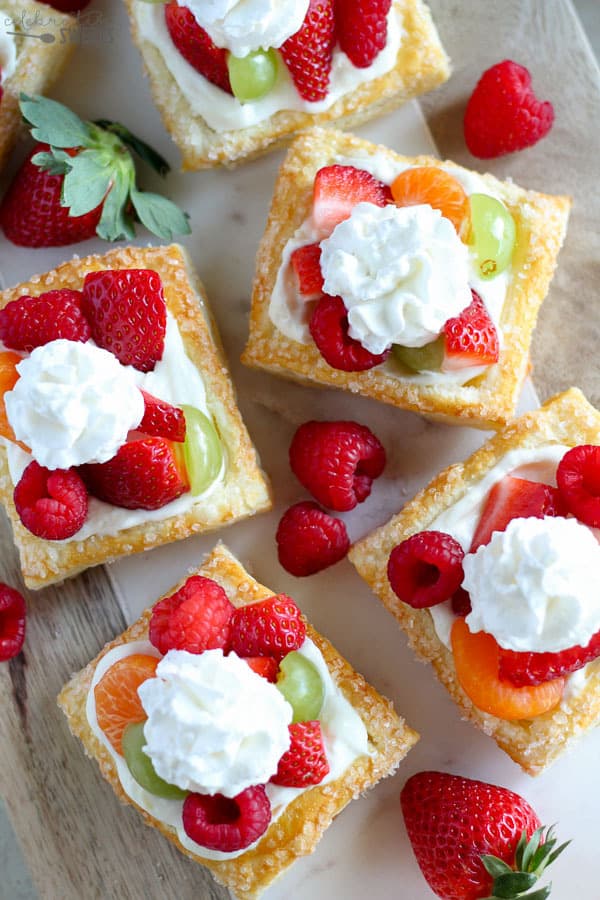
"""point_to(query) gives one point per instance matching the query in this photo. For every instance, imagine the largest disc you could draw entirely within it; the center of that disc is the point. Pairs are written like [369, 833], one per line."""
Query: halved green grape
[493, 235]
[140, 765]
[202, 450]
[252, 76]
[301, 685]
[421, 359]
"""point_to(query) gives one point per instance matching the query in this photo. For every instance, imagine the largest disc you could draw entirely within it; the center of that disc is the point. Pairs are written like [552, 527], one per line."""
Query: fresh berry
[503, 114]
[329, 329]
[578, 479]
[515, 498]
[308, 53]
[362, 29]
[471, 339]
[337, 190]
[195, 618]
[306, 263]
[472, 839]
[53, 505]
[265, 666]
[438, 189]
[160, 419]
[227, 824]
[305, 763]
[116, 694]
[8, 378]
[536, 668]
[142, 475]
[271, 627]
[127, 313]
[309, 540]
[29, 322]
[336, 462]
[196, 46]
[12, 622]
[461, 602]
[426, 568]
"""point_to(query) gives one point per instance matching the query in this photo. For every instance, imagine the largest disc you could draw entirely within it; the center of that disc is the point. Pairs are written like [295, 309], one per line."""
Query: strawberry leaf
[494, 866]
[159, 215]
[51, 163]
[513, 883]
[115, 222]
[52, 123]
[143, 150]
[86, 184]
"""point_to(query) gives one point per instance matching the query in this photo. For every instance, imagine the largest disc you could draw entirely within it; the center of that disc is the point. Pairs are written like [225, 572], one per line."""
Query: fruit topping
[476, 660]
[471, 338]
[329, 329]
[309, 540]
[265, 666]
[8, 378]
[116, 695]
[29, 322]
[142, 475]
[305, 763]
[535, 668]
[362, 29]
[161, 419]
[227, 824]
[306, 264]
[437, 188]
[578, 479]
[140, 764]
[195, 618]
[52, 504]
[302, 686]
[196, 46]
[337, 190]
[253, 76]
[12, 622]
[472, 839]
[428, 358]
[493, 235]
[271, 627]
[461, 602]
[336, 462]
[308, 54]
[503, 114]
[128, 315]
[426, 568]
[202, 450]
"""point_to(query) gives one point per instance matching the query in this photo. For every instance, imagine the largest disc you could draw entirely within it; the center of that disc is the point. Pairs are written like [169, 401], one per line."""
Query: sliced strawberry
[160, 419]
[338, 189]
[305, 763]
[271, 627]
[362, 29]
[196, 46]
[265, 666]
[515, 498]
[536, 668]
[306, 263]
[471, 338]
[308, 53]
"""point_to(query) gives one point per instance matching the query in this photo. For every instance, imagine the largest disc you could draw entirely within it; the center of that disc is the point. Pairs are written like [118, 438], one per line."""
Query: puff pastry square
[299, 828]
[244, 489]
[488, 401]
[534, 744]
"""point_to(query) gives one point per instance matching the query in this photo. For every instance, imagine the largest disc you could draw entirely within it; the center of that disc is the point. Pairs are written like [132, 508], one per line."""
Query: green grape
[302, 686]
[252, 76]
[493, 235]
[140, 765]
[420, 359]
[202, 450]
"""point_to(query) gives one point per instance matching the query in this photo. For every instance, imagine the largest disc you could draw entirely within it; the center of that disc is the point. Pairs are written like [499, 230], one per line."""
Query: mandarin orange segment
[476, 658]
[8, 378]
[428, 184]
[117, 700]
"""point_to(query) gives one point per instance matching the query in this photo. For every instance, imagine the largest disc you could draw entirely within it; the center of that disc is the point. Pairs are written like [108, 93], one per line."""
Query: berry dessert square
[119, 429]
[234, 80]
[492, 572]
[410, 280]
[232, 725]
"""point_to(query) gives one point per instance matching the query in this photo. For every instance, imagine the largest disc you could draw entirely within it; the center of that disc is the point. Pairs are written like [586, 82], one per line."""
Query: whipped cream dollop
[245, 25]
[73, 403]
[534, 587]
[401, 272]
[214, 725]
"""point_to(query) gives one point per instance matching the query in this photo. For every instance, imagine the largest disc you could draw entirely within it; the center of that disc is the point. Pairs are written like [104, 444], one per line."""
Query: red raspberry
[227, 824]
[53, 505]
[272, 627]
[265, 666]
[308, 539]
[195, 618]
[196, 46]
[503, 114]
[308, 54]
[336, 462]
[306, 263]
[29, 322]
[12, 622]
[329, 329]
[362, 29]
[161, 419]
[426, 568]
[578, 480]
[523, 669]
[305, 763]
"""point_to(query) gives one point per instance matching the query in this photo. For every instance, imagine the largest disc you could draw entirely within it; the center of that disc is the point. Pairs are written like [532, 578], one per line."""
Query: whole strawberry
[79, 181]
[475, 840]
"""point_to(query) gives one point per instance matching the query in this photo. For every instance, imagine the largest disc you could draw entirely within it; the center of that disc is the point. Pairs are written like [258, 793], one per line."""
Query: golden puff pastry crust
[489, 401]
[297, 831]
[534, 744]
[421, 66]
[244, 489]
